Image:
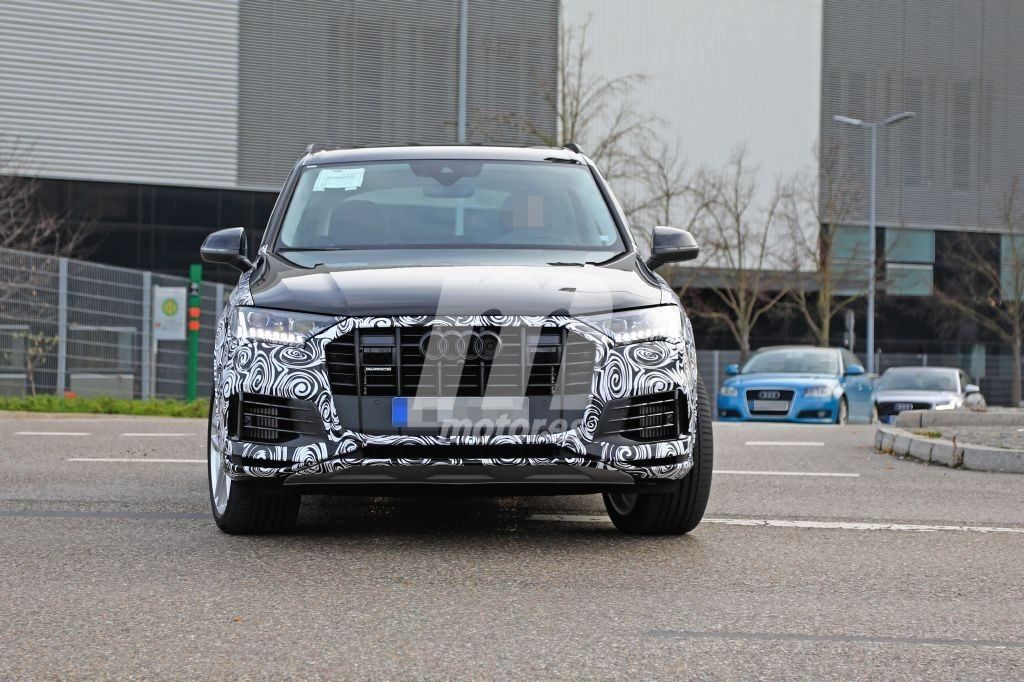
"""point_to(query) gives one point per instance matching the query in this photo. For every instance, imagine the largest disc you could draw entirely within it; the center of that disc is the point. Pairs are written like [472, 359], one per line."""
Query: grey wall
[960, 65]
[359, 72]
[228, 93]
[141, 91]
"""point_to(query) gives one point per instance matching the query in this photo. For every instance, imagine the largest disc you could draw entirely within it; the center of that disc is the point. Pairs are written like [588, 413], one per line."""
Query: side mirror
[732, 370]
[228, 246]
[972, 388]
[854, 370]
[671, 245]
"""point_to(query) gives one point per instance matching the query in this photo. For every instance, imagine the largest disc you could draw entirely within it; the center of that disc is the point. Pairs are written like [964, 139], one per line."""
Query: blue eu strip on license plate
[399, 411]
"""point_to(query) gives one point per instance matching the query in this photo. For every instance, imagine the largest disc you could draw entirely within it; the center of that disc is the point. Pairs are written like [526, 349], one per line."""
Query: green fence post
[195, 275]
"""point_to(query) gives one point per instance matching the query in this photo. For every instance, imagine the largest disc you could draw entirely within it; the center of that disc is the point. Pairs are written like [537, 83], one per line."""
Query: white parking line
[825, 474]
[784, 523]
[52, 433]
[135, 460]
[788, 443]
[158, 435]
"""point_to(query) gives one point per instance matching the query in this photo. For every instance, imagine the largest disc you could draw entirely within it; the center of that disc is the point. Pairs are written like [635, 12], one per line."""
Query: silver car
[924, 388]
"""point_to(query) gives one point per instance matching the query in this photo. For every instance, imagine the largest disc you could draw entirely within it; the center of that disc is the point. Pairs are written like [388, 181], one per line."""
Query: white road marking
[826, 474]
[158, 435]
[784, 523]
[51, 433]
[144, 460]
[788, 443]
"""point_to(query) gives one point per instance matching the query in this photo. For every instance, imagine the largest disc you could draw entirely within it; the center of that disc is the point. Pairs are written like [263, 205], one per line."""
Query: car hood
[933, 397]
[501, 287]
[784, 380]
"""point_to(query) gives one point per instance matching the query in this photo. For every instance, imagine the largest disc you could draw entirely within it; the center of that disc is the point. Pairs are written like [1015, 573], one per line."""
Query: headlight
[277, 326]
[951, 405]
[728, 391]
[663, 323]
[818, 392]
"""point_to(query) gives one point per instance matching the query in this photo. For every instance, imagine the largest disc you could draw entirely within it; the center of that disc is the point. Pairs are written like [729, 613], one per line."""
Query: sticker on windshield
[339, 178]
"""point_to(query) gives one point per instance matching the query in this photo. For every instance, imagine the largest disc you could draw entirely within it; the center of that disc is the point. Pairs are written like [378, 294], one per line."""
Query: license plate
[436, 412]
[769, 406]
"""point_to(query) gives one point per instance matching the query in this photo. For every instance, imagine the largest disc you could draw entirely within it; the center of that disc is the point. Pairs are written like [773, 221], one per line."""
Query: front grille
[471, 362]
[647, 418]
[782, 400]
[889, 409]
[266, 419]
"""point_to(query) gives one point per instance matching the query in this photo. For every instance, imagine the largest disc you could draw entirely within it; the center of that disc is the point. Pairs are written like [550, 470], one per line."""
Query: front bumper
[336, 457]
[802, 410]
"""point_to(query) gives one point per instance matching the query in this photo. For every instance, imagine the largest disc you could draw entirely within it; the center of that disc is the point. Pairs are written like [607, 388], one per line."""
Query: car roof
[445, 151]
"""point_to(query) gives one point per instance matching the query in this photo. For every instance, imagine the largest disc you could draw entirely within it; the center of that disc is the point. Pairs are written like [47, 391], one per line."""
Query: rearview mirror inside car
[671, 245]
[229, 247]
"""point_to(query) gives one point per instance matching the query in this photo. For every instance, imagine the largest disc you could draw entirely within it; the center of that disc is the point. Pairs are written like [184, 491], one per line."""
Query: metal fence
[85, 328]
[68, 325]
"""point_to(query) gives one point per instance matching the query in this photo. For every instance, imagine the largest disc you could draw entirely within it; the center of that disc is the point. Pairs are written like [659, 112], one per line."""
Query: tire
[843, 414]
[247, 507]
[679, 511]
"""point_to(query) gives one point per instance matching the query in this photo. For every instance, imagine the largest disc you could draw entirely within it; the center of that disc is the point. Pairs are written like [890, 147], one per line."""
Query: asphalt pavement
[818, 558]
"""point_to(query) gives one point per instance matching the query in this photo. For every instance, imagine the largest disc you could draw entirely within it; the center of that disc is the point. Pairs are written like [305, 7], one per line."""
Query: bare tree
[593, 110]
[814, 209]
[987, 280]
[24, 225]
[742, 260]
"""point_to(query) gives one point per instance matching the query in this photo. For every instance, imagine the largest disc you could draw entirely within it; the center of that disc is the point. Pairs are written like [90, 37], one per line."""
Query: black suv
[458, 319]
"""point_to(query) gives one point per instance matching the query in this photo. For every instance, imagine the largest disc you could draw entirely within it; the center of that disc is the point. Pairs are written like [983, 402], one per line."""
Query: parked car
[455, 319]
[924, 388]
[798, 384]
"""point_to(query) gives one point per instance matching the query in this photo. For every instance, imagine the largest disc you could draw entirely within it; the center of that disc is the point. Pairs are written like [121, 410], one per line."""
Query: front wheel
[247, 507]
[682, 509]
[843, 414]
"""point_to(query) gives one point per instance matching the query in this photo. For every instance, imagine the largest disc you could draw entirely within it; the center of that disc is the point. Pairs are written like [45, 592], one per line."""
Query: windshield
[794, 361]
[918, 380]
[461, 203]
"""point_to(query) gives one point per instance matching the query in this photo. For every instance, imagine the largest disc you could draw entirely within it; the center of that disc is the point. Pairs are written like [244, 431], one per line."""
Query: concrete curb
[915, 419]
[947, 453]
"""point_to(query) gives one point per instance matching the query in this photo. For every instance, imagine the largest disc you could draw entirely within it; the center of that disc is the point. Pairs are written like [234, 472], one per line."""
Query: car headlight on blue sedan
[818, 392]
[728, 391]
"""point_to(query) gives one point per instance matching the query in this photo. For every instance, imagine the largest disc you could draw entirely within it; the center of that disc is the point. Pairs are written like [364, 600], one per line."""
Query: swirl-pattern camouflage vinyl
[300, 373]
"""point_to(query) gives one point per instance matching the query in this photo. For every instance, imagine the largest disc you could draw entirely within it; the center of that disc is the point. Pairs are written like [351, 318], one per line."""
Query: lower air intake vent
[646, 418]
[266, 419]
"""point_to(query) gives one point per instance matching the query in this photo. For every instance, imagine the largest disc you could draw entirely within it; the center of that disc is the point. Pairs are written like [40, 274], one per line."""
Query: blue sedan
[798, 384]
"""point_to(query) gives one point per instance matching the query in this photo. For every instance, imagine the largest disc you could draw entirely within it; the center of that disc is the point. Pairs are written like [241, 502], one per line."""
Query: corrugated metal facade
[141, 91]
[959, 64]
[213, 93]
[363, 72]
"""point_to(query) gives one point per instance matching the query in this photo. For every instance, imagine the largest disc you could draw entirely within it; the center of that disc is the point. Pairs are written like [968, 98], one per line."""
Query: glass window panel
[1012, 259]
[908, 280]
[850, 277]
[850, 242]
[909, 246]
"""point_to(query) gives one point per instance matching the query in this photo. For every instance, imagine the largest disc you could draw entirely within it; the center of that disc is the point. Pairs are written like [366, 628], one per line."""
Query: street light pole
[872, 256]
